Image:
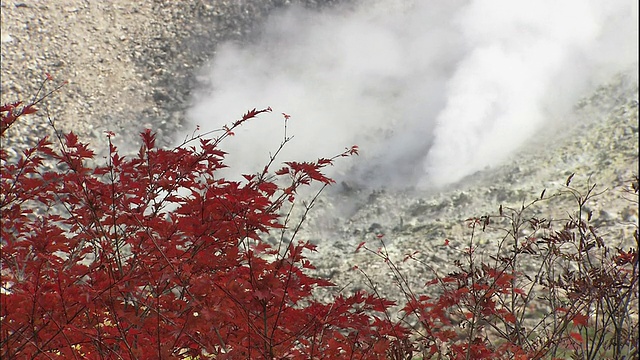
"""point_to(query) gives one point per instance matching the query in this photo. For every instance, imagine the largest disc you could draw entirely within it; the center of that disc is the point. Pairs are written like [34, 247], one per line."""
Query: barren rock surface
[129, 64]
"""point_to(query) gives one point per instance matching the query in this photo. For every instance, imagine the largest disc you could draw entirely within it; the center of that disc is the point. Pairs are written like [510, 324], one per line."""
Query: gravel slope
[130, 64]
[600, 147]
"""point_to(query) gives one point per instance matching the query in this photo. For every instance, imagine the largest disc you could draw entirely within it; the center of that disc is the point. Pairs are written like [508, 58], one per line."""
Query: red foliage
[155, 256]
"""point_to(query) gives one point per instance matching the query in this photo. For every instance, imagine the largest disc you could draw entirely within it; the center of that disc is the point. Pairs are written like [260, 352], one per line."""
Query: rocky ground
[131, 64]
[600, 147]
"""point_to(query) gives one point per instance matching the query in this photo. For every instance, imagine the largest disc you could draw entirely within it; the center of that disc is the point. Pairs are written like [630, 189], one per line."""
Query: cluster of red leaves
[471, 297]
[11, 112]
[156, 257]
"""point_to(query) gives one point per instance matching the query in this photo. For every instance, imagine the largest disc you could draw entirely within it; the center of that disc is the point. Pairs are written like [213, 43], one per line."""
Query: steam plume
[431, 91]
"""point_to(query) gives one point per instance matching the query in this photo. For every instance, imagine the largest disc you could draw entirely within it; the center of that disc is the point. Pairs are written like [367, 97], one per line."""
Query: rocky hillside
[599, 145]
[132, 64]
[129, 65]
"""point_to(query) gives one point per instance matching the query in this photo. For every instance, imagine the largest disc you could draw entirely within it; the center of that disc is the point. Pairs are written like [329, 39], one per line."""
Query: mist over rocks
[430, 91]
[397, 78]
[599, 146]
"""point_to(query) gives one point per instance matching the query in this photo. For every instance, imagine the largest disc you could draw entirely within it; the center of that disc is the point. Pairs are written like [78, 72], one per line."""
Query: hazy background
[431, 91]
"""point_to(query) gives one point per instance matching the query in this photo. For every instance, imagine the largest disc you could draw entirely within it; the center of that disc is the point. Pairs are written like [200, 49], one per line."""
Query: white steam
[431, 91]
